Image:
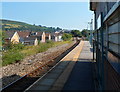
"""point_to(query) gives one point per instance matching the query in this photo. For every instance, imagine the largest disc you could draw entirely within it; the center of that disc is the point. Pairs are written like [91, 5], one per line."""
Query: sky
[66, 15]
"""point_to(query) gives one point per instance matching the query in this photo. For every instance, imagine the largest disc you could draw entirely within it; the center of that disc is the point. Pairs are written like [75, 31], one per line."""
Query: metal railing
[105, 68]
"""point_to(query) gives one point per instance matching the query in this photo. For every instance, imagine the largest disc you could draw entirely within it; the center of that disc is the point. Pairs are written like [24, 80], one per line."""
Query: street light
[91, 29]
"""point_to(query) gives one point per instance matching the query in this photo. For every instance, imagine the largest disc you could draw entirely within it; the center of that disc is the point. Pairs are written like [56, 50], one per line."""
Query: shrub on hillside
[66, 36]
[18, 52]
[49, 41]
[18, 46]
[13, 54]
[11, 57]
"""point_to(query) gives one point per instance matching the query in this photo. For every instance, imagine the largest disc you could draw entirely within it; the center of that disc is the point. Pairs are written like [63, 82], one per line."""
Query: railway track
[25, 81]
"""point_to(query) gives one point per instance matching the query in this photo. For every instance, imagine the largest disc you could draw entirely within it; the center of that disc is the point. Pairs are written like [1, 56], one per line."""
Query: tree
[85, 32]
[66, 36]
[40, 26]
[76, 33]
[58, 29]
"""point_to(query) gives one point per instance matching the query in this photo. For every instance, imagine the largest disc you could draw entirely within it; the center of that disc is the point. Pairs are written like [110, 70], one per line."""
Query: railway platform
[73, 72]
[81, 77]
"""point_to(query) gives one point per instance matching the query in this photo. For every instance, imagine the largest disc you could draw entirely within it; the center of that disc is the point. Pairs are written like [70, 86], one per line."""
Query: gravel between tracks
[12, 72]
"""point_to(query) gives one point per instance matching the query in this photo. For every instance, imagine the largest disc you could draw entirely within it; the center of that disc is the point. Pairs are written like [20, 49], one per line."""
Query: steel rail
[31, 77]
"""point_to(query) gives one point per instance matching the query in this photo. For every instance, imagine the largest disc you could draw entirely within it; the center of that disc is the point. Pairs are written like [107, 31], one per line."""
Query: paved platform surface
[56, 78]
[74, 72]
[81, 77]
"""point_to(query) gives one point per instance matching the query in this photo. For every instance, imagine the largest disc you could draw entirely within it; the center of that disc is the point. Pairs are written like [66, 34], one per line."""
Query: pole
[91, 29]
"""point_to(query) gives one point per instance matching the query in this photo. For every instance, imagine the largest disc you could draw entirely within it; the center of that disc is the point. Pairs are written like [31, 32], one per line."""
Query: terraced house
[39, 35]
[56, 36]
[27, 38]
[47, 36]
[31, 38]
[30, 41]
[12, 37]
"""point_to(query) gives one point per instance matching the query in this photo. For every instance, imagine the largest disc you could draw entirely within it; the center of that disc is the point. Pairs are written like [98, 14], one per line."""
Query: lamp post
[91, 29]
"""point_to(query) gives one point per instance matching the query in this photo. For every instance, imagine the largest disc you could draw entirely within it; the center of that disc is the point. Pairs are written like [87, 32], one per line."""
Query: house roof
[23, 34]
[39, 33]
[52, 34]
[47, 34]
[56, 34]
[29, 38]
[36, 33]
[9, 34]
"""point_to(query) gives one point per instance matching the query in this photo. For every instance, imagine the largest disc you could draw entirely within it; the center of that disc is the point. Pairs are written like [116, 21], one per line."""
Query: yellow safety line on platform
[78, 51]
[72, 56]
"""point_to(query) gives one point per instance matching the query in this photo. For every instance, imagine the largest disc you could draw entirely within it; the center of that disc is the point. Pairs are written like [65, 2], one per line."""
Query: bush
[11, 57]
[30, 50]
[48, 41]
[13, 54]
[18, 46]
[76, 33]
[19, 51]
[45, 46]
[66, 37]
[42, 47]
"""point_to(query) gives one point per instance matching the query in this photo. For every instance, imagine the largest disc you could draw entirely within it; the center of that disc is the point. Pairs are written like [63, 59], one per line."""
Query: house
[27, 38]
[56, 36]
[30, 41]
[23, 35]
[20, 37]
[12, 37]
[47, 36]
[107, 43]
[39, 35]
[52, 36]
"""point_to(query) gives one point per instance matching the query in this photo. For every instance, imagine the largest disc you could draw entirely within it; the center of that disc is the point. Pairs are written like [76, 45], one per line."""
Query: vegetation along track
[24, 82]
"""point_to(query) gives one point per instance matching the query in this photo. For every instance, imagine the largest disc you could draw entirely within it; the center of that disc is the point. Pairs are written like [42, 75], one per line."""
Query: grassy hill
[9, 25]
